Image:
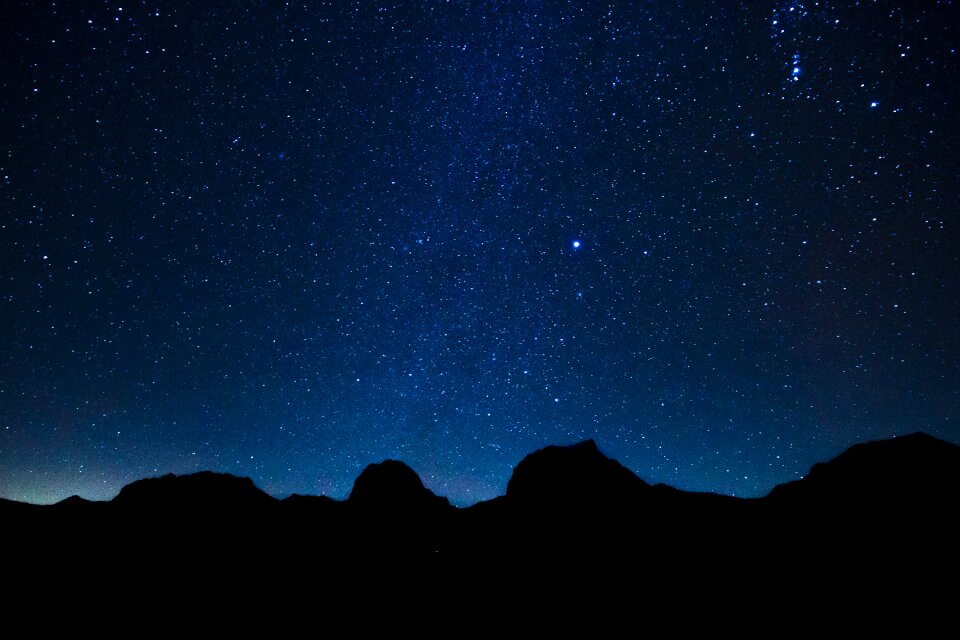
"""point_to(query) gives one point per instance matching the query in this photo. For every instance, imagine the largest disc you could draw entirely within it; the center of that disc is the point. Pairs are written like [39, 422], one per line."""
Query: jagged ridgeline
[897, 497]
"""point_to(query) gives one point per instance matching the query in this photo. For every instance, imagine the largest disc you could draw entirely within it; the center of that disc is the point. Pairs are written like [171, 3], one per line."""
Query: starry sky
[289, 239]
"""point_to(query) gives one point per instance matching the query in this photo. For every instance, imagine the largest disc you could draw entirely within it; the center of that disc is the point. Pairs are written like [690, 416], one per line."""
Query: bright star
[576, 244]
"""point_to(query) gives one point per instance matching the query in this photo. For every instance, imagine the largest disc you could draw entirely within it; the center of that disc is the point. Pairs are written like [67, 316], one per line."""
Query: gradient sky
[288, 240]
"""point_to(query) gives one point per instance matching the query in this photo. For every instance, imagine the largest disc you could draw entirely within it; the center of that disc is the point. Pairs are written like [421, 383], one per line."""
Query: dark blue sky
[291, 239]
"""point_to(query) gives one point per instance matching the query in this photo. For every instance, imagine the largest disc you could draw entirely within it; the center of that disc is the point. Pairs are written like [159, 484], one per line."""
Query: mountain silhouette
[898, 471]
[880, 509]
[894, 500]
[392, 485]
[578, 474]
[393, 514]
[205, 490]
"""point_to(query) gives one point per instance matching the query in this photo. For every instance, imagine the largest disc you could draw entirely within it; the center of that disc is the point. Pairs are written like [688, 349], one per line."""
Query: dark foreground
[878, 524]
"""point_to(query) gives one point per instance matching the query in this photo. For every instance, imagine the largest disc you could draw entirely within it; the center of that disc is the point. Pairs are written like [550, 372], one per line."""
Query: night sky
[288, 240]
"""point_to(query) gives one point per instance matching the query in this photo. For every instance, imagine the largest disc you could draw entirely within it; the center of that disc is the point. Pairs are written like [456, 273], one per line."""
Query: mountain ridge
[569, 507]
[587, 451]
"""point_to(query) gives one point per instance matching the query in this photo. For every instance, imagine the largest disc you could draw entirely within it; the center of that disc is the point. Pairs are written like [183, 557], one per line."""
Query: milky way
[288, 240]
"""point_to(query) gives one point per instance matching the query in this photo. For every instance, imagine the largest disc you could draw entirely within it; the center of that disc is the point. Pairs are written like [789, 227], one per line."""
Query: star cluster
[286, 240]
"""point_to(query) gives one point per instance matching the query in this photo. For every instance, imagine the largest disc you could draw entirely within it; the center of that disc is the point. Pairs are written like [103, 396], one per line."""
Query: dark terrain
[881, 513]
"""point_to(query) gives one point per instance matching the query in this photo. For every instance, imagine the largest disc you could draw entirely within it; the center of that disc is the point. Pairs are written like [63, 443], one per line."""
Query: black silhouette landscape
[886, 506]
